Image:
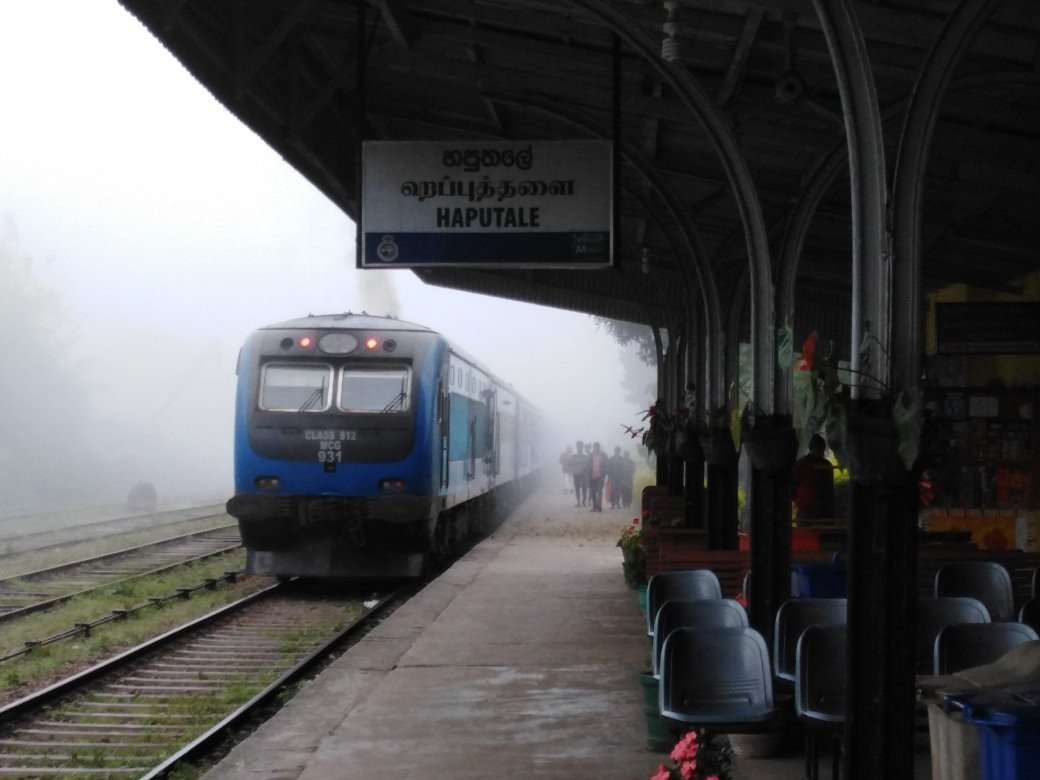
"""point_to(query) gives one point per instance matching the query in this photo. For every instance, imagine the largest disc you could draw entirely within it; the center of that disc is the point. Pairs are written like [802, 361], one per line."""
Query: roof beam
[401, 26]
[735, 71]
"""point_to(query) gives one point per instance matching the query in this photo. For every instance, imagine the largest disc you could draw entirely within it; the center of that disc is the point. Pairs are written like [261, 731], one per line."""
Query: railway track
[173, 699]
[36, 533]
[43, 588]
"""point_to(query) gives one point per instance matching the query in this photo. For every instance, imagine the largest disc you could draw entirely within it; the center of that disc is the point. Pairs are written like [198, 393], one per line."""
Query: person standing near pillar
[813, 476]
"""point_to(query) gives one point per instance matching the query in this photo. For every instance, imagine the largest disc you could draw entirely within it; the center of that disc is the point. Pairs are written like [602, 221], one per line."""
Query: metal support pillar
[770, 549]
[721, 499]
[882, 581]
[694, 492]
[771, 446]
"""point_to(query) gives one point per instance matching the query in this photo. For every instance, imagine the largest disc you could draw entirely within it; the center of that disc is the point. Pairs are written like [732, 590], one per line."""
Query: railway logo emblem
[387, 249]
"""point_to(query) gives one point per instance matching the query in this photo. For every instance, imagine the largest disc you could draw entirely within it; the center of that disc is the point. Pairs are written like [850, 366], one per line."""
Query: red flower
[686, 748]
[662, 773]
[687, 769]
[808, 352]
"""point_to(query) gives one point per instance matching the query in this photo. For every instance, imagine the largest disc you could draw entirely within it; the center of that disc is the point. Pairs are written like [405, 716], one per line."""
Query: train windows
[296, 388]
[375, 390]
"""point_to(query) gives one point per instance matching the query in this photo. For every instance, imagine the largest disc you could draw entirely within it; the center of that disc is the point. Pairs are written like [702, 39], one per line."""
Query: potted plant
[716, 438]
[770, 441]
[633, 557]
[667, 432]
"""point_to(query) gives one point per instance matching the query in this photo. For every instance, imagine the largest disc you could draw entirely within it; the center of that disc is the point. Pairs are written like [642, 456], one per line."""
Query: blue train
[366, 447]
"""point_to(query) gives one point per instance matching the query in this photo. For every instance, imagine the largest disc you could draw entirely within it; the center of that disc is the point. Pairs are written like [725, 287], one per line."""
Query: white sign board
[532, 204]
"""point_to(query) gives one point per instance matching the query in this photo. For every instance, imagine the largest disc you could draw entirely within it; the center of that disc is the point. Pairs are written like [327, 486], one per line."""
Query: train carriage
[365, 446]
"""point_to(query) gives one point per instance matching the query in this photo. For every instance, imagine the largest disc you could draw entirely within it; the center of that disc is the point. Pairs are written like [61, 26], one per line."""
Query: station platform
[521, 661]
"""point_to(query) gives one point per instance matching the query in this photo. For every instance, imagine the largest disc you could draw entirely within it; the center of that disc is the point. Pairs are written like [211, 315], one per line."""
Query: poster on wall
[517, 204]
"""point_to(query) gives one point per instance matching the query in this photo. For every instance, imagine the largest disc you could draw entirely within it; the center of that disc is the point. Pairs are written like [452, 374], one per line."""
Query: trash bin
[956, 741]
[1008, 722]
[820, 580]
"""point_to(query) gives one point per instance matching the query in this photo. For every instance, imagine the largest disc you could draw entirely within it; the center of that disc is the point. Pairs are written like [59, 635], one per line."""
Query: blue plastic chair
[819, 699]
[687, 585]
[933, 615]
[987, 581]
[1030, 614]
[977, 644]
[706, 614]
[717, 678]
[793, 617]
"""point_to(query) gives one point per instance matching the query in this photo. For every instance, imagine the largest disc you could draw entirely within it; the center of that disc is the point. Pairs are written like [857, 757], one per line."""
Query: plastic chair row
[716, 672]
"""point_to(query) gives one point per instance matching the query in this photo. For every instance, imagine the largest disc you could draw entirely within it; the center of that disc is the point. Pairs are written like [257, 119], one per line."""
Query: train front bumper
[273, 522]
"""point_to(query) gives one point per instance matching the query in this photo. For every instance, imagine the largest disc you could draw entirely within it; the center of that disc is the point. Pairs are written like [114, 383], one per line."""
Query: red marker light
[306, 341]
[371, 343]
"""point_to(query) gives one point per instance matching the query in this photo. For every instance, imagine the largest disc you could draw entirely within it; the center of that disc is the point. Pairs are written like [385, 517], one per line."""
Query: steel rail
[17, 612]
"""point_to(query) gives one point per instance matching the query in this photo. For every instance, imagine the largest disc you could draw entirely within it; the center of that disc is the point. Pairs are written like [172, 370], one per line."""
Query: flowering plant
[633, 554]
[661, 424]
[695, 757]
[822, 398]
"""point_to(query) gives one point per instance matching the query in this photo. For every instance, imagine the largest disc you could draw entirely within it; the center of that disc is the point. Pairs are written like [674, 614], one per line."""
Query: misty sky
[169, 231]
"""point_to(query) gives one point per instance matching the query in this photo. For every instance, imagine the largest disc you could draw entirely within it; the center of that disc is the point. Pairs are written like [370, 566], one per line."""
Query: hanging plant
[823, 401]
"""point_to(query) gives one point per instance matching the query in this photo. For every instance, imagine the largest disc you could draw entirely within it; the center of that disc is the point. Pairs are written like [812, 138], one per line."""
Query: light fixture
[670, 43]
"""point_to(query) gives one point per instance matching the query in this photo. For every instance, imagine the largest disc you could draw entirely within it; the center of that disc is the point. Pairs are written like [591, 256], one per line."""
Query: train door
[444, 427]
[491, 434]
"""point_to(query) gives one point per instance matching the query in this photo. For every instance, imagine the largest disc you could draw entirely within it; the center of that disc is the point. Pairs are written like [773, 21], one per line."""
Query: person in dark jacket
[615, 469]
[580, 472]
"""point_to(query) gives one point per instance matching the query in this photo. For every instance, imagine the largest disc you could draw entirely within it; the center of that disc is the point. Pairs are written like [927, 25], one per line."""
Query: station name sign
[517, 204]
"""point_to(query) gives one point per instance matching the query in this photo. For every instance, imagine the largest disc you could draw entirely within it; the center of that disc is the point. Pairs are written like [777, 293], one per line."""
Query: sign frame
[495, 204]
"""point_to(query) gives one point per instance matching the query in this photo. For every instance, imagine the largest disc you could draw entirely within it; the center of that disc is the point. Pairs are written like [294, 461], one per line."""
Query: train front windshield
[309, 388]
[374, 390]
[296, 388]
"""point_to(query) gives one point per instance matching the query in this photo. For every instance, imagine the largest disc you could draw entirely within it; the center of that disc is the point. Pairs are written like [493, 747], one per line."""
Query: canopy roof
[532, 69]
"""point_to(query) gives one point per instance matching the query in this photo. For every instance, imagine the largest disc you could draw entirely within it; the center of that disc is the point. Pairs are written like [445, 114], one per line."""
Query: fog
[145, 232]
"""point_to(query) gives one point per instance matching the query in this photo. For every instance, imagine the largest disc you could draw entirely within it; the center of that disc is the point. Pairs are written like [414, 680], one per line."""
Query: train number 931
[330, 443]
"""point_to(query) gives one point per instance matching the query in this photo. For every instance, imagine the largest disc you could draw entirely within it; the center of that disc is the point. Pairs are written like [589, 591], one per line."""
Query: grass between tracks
[47, 663]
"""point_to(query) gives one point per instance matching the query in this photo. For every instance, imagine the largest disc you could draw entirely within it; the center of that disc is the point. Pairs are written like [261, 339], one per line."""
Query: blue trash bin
[1008, 722]
[820, 580]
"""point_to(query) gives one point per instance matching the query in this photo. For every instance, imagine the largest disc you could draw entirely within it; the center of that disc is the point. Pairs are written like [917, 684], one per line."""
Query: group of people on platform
[589, 472]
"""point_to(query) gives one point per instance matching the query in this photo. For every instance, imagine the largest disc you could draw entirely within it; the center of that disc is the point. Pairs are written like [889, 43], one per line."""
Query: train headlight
[371, 343]
[393, 485]
[267, 483]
